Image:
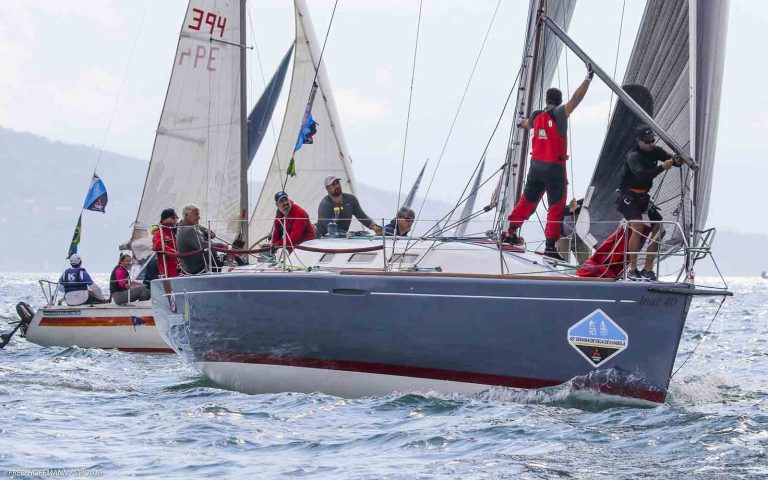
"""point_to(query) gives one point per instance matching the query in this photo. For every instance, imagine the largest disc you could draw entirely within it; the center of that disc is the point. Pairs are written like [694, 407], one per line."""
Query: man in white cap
[77, 285]
[340, 207]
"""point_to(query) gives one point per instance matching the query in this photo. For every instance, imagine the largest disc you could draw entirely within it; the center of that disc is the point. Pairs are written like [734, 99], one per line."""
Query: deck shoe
[512, 238]
[552, 252]
[635, 275]
[648, 275]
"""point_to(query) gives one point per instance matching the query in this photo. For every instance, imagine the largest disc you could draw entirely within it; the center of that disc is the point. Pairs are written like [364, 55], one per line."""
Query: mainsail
[197, 152]
[676, 67]
[539, 70]
[469, 206]
[327, 155]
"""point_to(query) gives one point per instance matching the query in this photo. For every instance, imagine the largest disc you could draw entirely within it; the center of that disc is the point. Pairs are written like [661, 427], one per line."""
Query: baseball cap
[644, 132]
[280, 195]
[330, 179]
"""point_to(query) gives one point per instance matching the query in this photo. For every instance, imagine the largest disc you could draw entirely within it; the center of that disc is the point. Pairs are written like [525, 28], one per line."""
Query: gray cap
[330, 179]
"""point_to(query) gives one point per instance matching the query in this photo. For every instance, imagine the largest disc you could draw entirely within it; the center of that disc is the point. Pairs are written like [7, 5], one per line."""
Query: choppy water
[138, 415]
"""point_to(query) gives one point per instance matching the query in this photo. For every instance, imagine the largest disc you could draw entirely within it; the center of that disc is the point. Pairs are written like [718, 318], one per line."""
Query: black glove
[590, 72]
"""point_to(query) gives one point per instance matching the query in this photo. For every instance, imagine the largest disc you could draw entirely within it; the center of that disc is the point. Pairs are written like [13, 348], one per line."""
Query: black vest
[114, 285]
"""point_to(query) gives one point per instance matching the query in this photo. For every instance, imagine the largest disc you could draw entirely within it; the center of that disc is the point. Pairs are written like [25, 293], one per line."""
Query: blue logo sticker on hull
[597, 338]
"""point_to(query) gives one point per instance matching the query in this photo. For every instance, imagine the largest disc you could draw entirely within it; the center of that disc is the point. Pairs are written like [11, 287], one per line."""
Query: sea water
[119, 415]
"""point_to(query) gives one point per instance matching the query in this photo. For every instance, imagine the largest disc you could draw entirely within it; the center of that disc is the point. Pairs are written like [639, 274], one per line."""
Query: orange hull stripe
[94, 322]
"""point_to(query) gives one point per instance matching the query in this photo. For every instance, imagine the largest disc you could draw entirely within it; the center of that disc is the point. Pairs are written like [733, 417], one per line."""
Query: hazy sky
[64, 64]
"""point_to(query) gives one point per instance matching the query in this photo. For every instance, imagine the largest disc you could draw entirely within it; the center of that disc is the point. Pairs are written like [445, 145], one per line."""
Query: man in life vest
[547, 171]
[164, 243]
[641, 166]
[77, 285]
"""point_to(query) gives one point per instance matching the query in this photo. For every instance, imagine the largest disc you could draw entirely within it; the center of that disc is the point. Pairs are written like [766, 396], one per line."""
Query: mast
[244, 159]
[521, 162]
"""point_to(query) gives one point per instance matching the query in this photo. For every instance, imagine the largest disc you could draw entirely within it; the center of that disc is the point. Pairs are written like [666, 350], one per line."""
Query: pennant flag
[137, 321]
[76, 237]
[96, 200]
[291, 171]
[307, 131]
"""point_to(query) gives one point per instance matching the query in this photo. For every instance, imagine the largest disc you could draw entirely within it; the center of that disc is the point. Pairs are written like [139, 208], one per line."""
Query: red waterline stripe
[422, 372]
[94, 322]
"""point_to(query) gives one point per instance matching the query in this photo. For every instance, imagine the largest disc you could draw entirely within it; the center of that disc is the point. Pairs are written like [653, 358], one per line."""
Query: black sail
[684, 104]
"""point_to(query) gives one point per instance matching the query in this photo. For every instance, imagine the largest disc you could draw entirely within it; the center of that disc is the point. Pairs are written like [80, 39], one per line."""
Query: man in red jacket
[547, 171]
[164, 242]
[293, 219]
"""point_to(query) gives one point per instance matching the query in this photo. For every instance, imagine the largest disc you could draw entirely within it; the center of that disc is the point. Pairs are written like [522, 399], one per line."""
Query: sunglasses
[648, 142]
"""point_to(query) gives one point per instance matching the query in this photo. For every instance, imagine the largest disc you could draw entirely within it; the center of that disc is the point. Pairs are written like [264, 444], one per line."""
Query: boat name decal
[61, 313]
[597, 338]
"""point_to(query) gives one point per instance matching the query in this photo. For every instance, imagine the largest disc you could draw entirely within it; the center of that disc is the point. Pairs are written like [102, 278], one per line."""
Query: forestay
[197, 152]
[683, 98]
[327, 154]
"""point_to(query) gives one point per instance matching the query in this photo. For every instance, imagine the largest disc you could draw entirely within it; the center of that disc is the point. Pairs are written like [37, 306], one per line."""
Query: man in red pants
[547, 171]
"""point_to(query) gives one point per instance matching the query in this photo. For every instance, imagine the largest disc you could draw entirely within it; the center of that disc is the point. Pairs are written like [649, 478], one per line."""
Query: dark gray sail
[469, 205]
[258, 119]
[660, 66]
[415, 188]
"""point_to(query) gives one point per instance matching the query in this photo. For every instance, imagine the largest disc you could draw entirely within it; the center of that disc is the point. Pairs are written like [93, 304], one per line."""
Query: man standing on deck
[339, 208]
[640, 168]
[547, 171]
[192, 239]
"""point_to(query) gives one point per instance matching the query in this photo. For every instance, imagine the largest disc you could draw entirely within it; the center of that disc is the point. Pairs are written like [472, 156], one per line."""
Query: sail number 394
[201, 18]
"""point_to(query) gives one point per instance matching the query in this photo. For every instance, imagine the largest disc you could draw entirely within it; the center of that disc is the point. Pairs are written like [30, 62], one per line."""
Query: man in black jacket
[640, 168]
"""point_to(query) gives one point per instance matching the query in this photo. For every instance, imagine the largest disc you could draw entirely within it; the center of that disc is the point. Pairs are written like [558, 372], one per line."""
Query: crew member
[193, 242]
[294, 220]
[77, 284]
[164, 243]
[547, 171]
[121, 289]
[402, 223]
[340, 207]
[641, 166]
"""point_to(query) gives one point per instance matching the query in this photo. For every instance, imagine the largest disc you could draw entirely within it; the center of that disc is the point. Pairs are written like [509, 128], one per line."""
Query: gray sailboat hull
[355, 334]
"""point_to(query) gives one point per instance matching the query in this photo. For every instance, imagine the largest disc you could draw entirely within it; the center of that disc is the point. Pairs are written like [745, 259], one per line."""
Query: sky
[95, 72]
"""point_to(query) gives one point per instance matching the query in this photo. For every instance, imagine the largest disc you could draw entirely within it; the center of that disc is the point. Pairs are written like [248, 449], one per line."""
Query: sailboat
[372, 315]
[202, 151]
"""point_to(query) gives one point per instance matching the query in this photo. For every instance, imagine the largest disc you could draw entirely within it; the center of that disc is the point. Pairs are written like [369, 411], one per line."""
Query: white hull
[98, 326]
[258, 378]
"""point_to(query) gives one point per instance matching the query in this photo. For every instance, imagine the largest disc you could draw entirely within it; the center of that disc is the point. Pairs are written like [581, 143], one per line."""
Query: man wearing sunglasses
[640, 168]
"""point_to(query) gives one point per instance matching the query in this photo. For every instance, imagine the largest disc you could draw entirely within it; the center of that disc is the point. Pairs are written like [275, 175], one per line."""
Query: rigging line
[570, 132]
[122, 86]
[458, 110]
[706, 332]
[410, 99]
[616, 62]
[264, 83]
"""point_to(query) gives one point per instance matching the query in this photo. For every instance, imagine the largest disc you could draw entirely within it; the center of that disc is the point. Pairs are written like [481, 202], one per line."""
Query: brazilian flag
[291, 171]
[76, 237]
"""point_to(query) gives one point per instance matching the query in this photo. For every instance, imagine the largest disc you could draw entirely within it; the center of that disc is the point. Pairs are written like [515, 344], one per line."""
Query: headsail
[415, 188]
[685, 99]
[258, 119]
[197, 152]
[328, 152]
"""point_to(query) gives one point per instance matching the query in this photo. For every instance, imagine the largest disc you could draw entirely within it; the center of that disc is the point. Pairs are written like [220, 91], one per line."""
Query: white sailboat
[200, 156]
[367, 316]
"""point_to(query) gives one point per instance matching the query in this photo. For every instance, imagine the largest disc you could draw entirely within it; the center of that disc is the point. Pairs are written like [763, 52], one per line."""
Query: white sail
[327, 154]
[197, 151]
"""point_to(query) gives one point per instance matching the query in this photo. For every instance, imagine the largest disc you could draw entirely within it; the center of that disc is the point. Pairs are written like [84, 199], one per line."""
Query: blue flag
[75, 237]
[96, 200]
